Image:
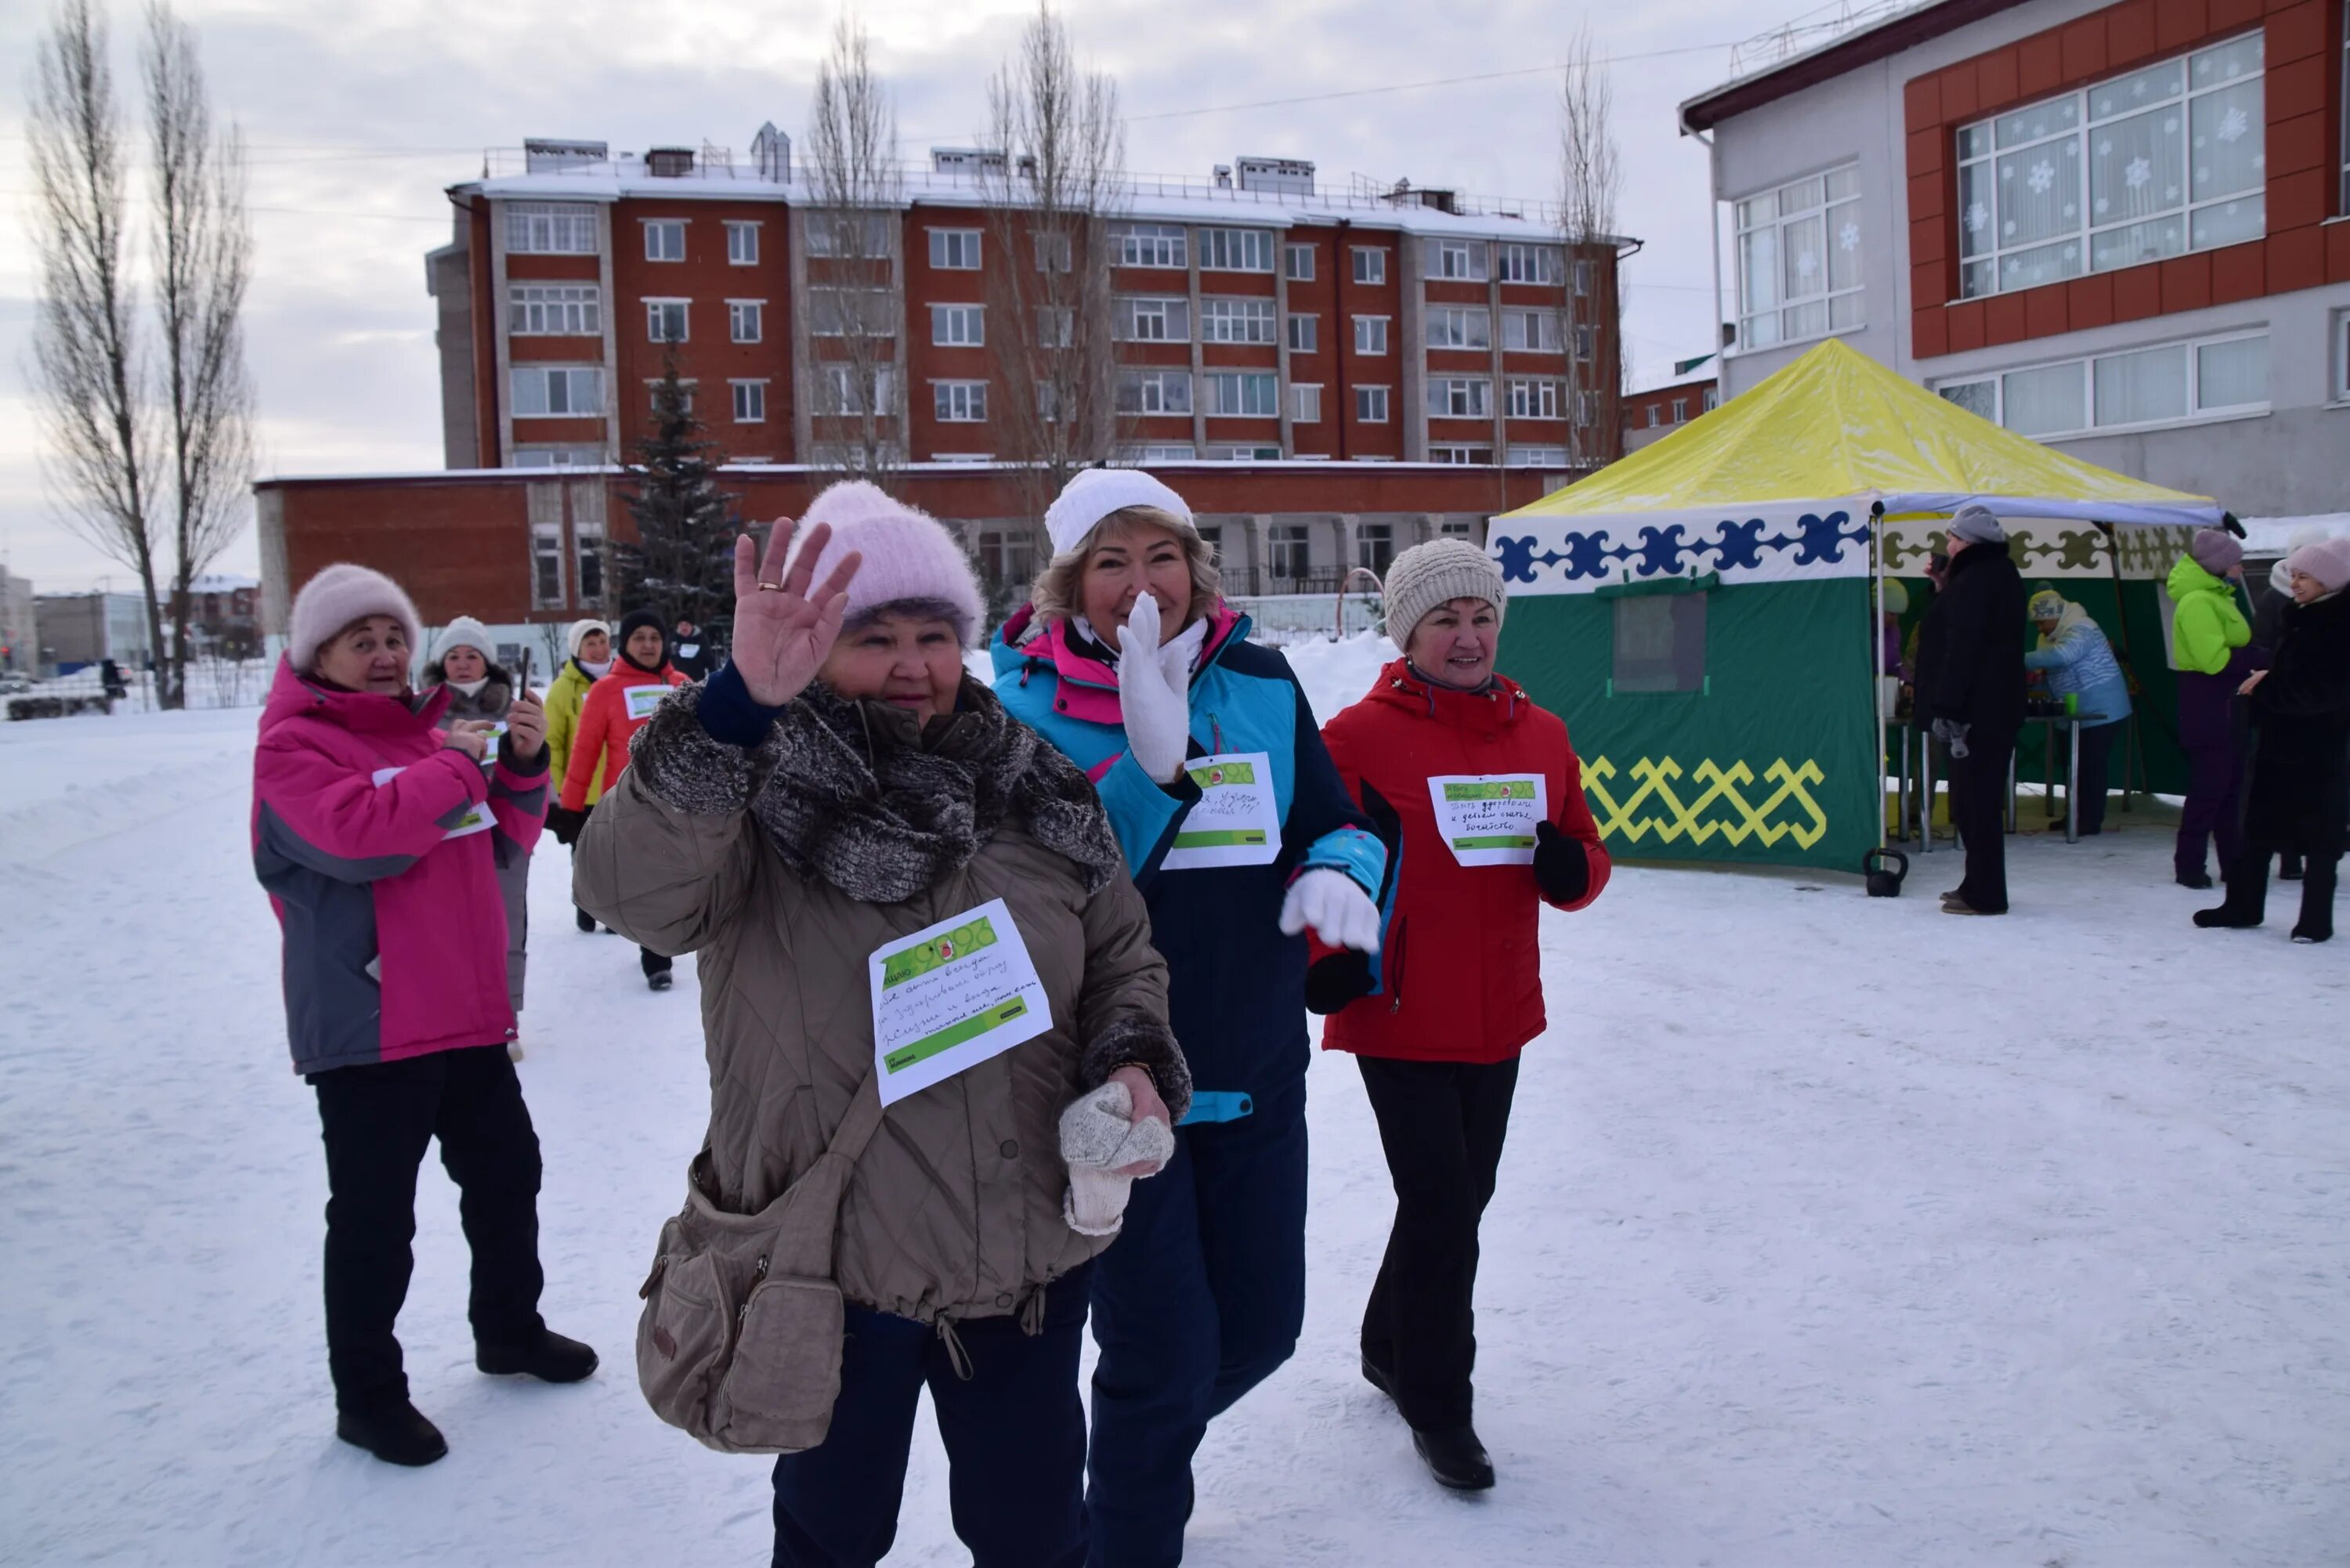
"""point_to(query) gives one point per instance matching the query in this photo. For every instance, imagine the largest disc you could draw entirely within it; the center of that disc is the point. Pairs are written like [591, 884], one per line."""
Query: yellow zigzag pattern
[1655, 779]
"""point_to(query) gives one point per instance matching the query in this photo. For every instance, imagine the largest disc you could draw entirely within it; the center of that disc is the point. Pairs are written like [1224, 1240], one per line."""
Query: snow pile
[1337, 674]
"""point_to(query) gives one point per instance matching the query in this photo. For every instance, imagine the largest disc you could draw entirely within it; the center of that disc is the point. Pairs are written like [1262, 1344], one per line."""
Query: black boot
[2288, 866]
[2316, 922]
[397, 1434]
[1455, 1457]
[1376, 1375]
[554, 1359]
[586, 921]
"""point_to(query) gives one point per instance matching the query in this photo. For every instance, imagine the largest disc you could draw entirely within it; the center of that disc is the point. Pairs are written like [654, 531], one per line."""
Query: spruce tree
[683, 562]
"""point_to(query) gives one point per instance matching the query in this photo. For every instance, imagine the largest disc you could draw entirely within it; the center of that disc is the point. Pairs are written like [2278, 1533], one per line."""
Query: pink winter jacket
[395, 933]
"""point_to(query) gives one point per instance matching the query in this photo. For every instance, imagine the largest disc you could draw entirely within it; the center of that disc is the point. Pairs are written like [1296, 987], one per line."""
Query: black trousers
[1442, 1125]
[2248, 884]
[377, 1120]
[1979, 810]
[2087, 804]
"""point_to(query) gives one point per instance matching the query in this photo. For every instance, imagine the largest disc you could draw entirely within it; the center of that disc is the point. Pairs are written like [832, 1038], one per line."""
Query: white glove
[1157, 714]
[1340, 912]
[1097, 1138]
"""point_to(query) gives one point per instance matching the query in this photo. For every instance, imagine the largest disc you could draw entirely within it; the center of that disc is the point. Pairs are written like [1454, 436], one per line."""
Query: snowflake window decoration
[1806, 264]
[2139, 172]
[2106, 147]
[2233, 124]
[1848, 237]
[2102, 205]
[2044, 175]
[1977, 218]
[2008, 228]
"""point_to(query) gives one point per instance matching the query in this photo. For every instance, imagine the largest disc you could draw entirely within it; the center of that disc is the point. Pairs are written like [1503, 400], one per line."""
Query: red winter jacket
[606, 725]
[1459, 971]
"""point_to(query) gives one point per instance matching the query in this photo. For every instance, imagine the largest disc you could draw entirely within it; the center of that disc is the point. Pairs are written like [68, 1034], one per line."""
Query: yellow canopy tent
[1743, 725]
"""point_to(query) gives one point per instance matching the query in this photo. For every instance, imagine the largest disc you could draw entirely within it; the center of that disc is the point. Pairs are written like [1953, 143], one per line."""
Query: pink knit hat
[337, 597]
[910, 556]
[2328, 561]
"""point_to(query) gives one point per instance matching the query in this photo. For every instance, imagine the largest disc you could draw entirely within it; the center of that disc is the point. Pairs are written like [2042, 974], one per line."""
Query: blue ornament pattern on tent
[1818, 539]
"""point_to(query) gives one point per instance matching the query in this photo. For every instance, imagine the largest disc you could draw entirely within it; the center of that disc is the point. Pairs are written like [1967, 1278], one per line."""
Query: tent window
[1660, 642]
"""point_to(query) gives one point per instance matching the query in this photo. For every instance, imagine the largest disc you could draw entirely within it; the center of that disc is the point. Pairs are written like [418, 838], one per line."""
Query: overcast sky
[360, 112]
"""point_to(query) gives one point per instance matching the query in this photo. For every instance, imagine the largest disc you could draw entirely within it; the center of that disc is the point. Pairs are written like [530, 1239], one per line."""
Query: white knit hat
[2328, 561]
[465, 632]
[337, 597]
[1096, 492]
[576, 633]
[909, 554]
[1436, 573]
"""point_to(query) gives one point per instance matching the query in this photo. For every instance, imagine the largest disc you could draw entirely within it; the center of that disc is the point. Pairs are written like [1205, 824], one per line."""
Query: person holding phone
[484, 692]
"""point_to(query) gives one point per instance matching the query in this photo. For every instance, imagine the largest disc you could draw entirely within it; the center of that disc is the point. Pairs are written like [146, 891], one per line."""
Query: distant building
[224, 616]
[77, 629]
[19, 632]
[1650, 416]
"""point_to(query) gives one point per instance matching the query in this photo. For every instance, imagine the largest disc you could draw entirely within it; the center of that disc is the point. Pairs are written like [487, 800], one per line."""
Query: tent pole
[1877, 716]
[2135, 733]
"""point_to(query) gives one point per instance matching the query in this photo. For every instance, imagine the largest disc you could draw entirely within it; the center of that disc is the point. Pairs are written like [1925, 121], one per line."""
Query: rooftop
[1824, 44]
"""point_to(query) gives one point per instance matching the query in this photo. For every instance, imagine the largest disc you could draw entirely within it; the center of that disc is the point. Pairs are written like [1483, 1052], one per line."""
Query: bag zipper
[1395, 980]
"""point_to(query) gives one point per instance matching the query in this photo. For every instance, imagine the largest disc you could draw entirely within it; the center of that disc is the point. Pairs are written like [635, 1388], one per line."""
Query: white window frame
[958, 403]
[1586, 278]
[1143, 390]
[1524, 263]
[1458, 326]
[1711, 400]
[1461, 454]
[1371, 264]
[746, 313]
[1297, 260]
[1371, 334]
[551, 228]
[1369, 537]
[1680, 411]
[1459, 398]
[958, 326]
[657, 230]
[1056, 326]
[955, 250]
[871, 312]
[750, 401]
[1531, 397]
[2196, 413]
[839, 393]
[555, 309]
[1230, 318]
[1456, 261]
[742, 242]
[685, 384]
[583, 391]
[1164, 247]
[1305, 333]
[1236, 250]
[1832, 198]
[1979, 148]
[657, 313]
[1544, 325]
[2342, 350]
[1160, 452]
[1306, 402]
[544, 500]
[825, 224]
[1373, 406]
[1288, 552]
[1239, 385]
[1151, 318]
[1530, 456]
[1047, 254]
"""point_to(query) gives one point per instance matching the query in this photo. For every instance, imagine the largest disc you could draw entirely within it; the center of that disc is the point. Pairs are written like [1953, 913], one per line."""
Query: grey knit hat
[1427, 575]
[1978, 525]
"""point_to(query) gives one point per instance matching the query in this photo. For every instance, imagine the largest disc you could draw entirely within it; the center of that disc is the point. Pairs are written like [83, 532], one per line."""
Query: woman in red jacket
[1483, 793]
[615, 709]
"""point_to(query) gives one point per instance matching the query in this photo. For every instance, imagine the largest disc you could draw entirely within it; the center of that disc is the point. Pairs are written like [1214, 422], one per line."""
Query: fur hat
[1096, 492]
[1429, 575]
[1978, 525]
[337, 597]
[2328, 561]
[576, 633]
[2216, 552]
[465, 632]
[910, 556]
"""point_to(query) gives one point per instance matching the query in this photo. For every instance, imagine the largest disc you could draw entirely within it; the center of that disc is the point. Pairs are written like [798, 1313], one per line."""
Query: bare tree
[852, 346]
[1050, 202]
[1591, 181]
[203, 264]
[88, 369]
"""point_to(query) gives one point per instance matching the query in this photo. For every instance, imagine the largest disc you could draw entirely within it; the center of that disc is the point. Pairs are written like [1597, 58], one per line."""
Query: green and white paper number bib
[1489, 819]
[643, 700]
[1235, 821]
[952, 996]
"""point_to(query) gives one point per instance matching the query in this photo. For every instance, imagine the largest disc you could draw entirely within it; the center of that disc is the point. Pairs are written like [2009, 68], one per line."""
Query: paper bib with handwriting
[952, 996]
[1235, 821]
[1488, 819]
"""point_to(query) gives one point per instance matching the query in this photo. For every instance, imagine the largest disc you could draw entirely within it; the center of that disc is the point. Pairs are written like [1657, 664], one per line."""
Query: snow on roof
[2274, 535]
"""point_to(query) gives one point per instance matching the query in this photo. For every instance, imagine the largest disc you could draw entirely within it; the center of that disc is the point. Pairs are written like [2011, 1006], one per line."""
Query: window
[545, 505]
[1304, 334]
[2341, 357]
[1054, 252]
[1460, 326]
[1297, 261]
[750, 403]
[1006, 556]
[557, 391]
[1371, 405]
[741, 244]
[588, 541]
[1459, 398]
[1154, 392]
[958, 326]
[1457, 528]
[1150, 245]
[746, 320]
[1251, 393]
[1680, 411]
[1583, 342]
[2155, 164]
[850, 312]
[1454, 259]
[1048, 402]
[1464, 456]
[1533, 399]
[1306, 405]
[1236, 320]
[1532, 263]
[1139, 319]
[665, 320]
[1212, 536]
[1537, 456]
[1371, 264]
[558, 457]
[1530, 331]
[1586, 278]
[955, 250]
[1712, 400]
[551, 228]
[1799, 260]
[684, 390]
[2208, 379]
[1586, 407]
[1370, 335]
[842, 390]
[852, 234]
[665, 239]
[1375, 546]
[1159, 454]
[1656, 416]
[1660, 643]
[1235, 250]
[554, 310]
[1288, 551]
[1243, 454]
[1056, 326]
[960, 403]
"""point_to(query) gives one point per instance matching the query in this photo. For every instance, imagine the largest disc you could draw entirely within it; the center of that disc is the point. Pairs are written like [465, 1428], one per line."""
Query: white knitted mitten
[1097, 1140]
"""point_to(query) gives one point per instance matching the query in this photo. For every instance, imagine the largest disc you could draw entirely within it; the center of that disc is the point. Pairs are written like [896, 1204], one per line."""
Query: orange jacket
[606, 724]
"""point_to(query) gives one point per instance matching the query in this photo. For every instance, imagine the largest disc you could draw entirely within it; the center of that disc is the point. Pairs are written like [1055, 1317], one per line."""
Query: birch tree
[853, 350]
[1591, 183]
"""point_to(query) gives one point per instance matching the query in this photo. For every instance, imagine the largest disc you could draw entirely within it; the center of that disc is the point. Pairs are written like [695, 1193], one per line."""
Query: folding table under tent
[1702, 613]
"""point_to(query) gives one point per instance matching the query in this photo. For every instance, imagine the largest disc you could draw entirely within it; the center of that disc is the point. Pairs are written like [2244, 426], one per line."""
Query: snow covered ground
[1831, 1232]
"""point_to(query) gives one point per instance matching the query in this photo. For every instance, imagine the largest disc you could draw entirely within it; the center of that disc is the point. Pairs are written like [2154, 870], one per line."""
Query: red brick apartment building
[1652, 415]
[1329, 375]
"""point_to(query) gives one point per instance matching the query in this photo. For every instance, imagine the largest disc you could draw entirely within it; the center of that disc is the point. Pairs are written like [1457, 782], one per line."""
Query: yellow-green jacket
[563, 698]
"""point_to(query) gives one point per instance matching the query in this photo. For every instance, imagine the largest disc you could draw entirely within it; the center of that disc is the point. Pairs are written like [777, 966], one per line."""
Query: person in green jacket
[2209, 635]
[589, 644]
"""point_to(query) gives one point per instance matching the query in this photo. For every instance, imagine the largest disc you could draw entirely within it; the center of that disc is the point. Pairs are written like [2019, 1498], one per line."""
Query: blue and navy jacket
[1236, 986]
[2081, 659]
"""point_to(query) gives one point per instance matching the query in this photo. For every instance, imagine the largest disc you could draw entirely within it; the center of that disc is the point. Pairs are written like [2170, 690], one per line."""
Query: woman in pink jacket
[373, 830]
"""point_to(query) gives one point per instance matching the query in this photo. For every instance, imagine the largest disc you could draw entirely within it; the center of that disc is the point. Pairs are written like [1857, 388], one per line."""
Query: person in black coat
[2300, 794]
[1971, 687]
[691, 656]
